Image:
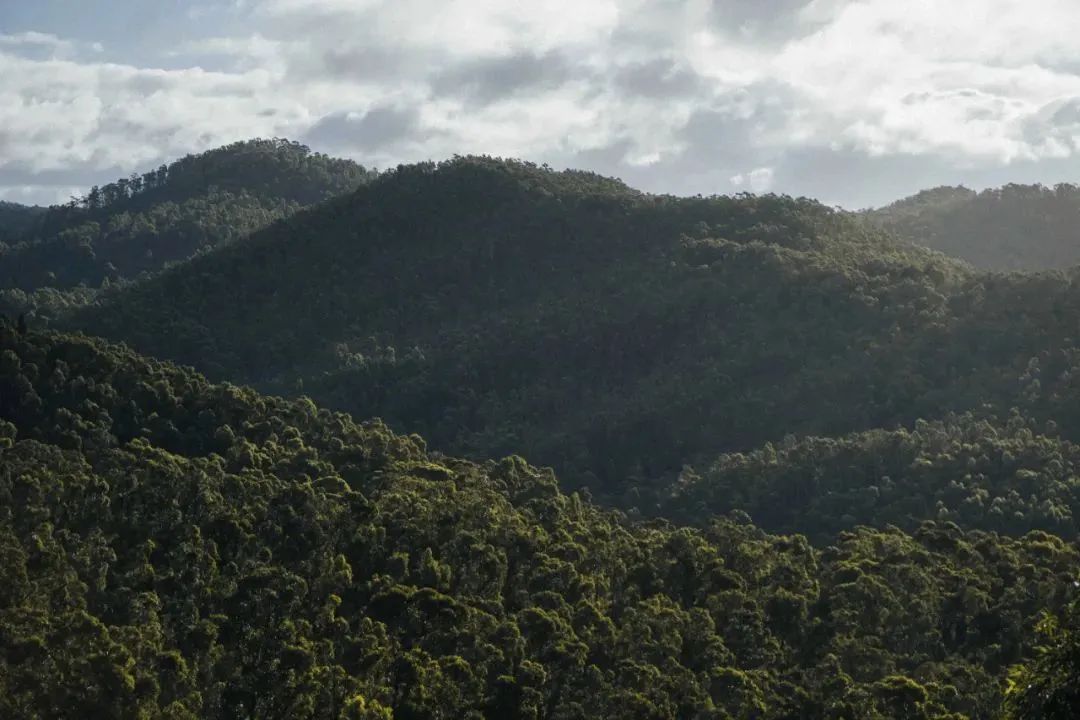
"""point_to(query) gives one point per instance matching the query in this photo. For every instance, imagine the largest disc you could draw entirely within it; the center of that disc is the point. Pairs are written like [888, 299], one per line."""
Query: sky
[854, 102]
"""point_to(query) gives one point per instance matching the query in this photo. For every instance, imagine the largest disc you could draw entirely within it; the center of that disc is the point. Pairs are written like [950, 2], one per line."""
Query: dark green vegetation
[1048, 687]
[1009, 479]
[716, 368]
[139, 225]
[16, 219]
[1016, 227]
[498, 307]
[173, 548]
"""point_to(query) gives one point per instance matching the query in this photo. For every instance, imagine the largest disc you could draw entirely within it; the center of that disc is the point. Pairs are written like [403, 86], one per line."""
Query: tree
[1048, 686]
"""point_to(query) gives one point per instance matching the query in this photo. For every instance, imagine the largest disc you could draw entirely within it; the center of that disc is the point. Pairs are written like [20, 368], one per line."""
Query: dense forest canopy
[16, 219]
[1016, 227]
[1009, 478]
[139, 225]
[499, 307]
[804, 467]
[174, 548]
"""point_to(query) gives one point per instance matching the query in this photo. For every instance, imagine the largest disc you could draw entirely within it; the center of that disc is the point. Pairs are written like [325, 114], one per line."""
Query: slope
[140, 225]
[1016, 227]
[1011, 478]
[173, 548]
[16, 219]
[500, 307]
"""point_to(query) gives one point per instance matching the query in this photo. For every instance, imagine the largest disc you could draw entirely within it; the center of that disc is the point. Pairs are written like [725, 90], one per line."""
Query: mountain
[498, 307]
[15, 219]
[1016, 227]
[176, 548]
[1010, 478]
[142, 224]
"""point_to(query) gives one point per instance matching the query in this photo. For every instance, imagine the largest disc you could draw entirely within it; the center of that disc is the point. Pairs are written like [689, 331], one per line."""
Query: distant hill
[501, 307]
[1016, 227]
[16, 219]
[140, 225]
[174, 548]
[1009, 478]
[717, 369]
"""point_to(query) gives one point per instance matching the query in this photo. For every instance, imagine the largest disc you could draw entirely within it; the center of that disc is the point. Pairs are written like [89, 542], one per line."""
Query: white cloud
[453, 27]
[961, 79]
[33, 38]
[58, 114]
[681, 95]
[757, 180]
[46, 45]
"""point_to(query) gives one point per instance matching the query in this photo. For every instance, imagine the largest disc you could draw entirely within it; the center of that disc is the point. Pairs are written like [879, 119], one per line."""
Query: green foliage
[174, 548]
[1016, 227]
[16, 219]
[1048, 686]
[1005, 478]
[497, 307]
[138, 226]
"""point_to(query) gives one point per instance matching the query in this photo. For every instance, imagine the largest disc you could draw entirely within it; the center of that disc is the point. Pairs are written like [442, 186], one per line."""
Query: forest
[53, 261]
[281, 436]
[184, 549]
[1012, 228]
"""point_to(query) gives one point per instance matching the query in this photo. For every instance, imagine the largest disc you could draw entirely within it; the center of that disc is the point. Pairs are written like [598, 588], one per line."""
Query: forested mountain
[719, 369]
[142, 224]
[15, 220]
[173, 548]
[498, 307]
[1009, 478]
[1016, 227]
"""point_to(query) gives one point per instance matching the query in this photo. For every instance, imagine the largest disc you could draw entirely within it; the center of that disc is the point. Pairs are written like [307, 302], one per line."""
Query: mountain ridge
[462, 273]
[1012, 228]
[137, 226]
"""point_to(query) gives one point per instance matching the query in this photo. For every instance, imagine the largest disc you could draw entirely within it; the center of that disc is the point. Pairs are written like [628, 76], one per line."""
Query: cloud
[487, 80]
[673, 95]
[463, 28]
[757, 180]
[65, 117]
[763, 21]
[658, 78]
[45, 45]
[375, 129]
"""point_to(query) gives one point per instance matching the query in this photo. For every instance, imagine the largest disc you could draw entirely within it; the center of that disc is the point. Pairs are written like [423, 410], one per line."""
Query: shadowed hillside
[1016, 227]
[139, 225]
[183, 549]
[15, 220]
[499, 307]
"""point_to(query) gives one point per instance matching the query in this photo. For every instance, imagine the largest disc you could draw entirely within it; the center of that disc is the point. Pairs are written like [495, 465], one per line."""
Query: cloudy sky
[855, 102]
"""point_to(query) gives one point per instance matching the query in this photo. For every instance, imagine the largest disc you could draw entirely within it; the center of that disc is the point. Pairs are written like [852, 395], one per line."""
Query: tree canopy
[800, 466]
[16, 219]
[1015, 227]
[138, 226]
[175, 548]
